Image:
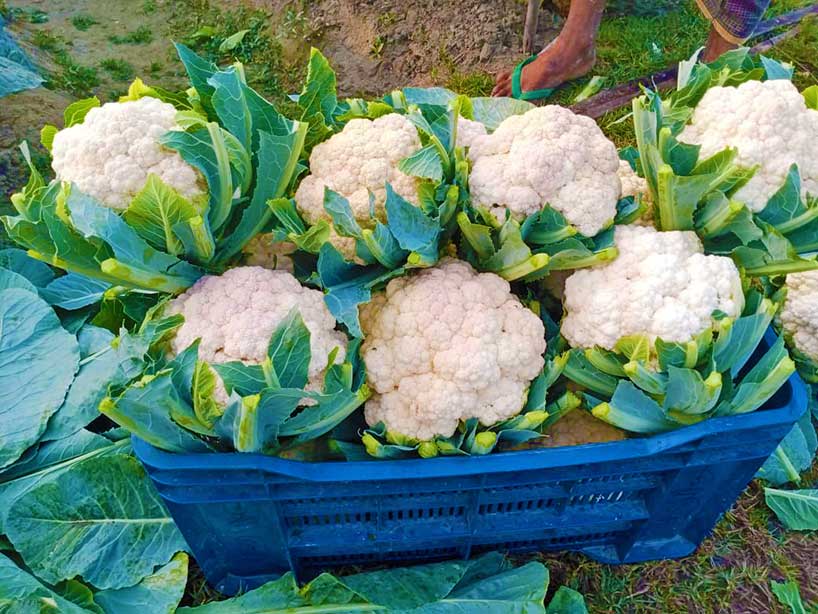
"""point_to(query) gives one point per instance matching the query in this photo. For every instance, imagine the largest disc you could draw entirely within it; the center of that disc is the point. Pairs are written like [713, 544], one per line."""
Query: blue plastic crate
[249, 518]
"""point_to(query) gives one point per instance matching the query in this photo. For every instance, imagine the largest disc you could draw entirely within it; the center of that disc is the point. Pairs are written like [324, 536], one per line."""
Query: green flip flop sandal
[517, 91]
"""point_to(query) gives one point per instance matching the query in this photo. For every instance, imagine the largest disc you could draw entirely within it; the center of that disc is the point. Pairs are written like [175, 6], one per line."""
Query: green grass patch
[73, 77]
[471, 84]
[23, 14]
[120, 70]
[46, 40]
[204, 28]
[83, 21]
[149, 7]
[141, 36]
[69, 76]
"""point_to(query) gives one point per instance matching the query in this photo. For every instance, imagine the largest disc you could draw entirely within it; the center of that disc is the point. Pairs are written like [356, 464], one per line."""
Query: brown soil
[379, 45]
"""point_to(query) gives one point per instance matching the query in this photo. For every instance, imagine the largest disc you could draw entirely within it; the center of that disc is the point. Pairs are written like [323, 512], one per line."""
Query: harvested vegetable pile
[383, 279]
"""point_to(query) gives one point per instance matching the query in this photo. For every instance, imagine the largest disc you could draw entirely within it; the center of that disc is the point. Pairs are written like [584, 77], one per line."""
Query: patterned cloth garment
[734, 20]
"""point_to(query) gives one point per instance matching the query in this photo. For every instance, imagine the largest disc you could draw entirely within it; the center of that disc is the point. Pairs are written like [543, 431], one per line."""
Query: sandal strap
[516, 89]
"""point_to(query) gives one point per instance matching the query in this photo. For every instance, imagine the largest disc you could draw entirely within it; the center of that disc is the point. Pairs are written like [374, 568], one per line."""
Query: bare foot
[556, 64]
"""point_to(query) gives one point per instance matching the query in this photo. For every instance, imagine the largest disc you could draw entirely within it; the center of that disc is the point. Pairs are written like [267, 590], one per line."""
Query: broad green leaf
[382, 246]
[413, 230]
[11, 280]
[102, 520]
[155, 210]
[579, 370]
[205, 149]
[79, 594]
[775, 69]
[205, 408]
[484, 585]
[24, 199]
[276, 161]
[424, 163]
[145, 409]
[289, 351]
[736, 342]
[232, 41]
[811, 97]
[197, 238]
[241, 378]
[110, 365]
[761, 382]
[38, 360]
[158, 593]
[491, 111]
[343, 219]
[231, 105]
[796, 509]
[47, 460]
[794, 454]
[74, 291]
[76, 111]
[566, 601]
[633, 410]
[346, 285]
[23, 593]
[199, 71]
[318, 98]
[47, 134]
[277, 596]
[253, 423]
[478, 236]
[649, 380]
[38, 273]
[331, 409]
[772, 254]
[93, 220]
[786, 210]
[139, 89]
[689, 393]
[789, 594]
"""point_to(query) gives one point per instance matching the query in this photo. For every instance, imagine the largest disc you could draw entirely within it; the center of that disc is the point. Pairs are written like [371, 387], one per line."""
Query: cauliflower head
[770, 125]
[547, 156]
[359, 160]
[262, 250]
[468, 131]
[235, 314]
[632, 184]
[111, 153]
[661, 285]
[799, 313]
[636, 186]
[445, 345]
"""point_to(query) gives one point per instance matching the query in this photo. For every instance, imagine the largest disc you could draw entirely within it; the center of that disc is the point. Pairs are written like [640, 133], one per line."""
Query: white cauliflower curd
[547, 156]
[799, 313]
[632, 184]
[359, 160]
[235, 314]
[770, 125]
[445, 345]
[468, 131]
[111, 153]
[661, 285]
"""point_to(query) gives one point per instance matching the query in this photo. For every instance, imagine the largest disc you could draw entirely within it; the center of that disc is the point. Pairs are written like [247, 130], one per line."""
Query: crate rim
[445, 466]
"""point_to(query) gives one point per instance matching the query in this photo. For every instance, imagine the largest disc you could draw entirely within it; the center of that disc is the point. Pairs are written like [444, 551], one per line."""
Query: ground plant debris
[304, 230]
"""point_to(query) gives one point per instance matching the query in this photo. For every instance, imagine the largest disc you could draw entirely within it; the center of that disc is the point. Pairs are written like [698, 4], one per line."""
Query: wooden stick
[532, 17]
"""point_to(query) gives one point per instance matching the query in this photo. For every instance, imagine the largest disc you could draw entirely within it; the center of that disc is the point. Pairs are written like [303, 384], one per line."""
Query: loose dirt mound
[378, 45]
